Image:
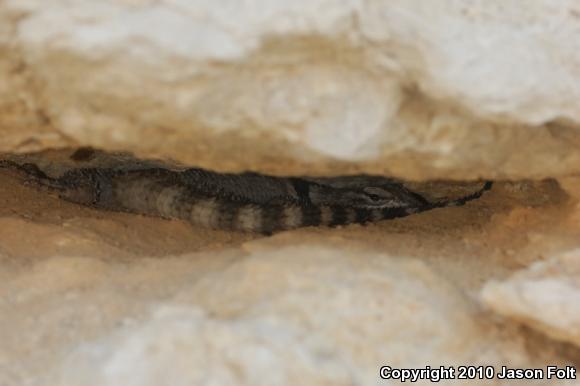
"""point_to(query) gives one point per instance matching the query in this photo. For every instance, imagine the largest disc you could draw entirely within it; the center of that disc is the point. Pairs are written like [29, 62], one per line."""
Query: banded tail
[268, 219]
[161, 192]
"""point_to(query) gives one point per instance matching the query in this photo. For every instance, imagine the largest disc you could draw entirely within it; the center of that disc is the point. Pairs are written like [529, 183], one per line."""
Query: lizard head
[369, 197]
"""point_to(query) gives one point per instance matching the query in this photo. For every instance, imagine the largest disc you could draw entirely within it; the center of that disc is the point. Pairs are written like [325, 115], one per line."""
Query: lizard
[249, 202]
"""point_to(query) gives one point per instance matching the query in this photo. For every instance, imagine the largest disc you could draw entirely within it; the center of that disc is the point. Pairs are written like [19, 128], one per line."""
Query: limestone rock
[446, 89]
[89, 297]
[544, 296]
[311, 315]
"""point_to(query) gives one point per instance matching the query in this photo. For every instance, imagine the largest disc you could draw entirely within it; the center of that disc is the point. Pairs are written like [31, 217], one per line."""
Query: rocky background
[446, 89]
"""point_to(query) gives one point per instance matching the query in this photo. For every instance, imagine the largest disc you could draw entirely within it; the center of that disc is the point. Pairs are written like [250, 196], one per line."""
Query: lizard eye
[376, 194]
[374, 197]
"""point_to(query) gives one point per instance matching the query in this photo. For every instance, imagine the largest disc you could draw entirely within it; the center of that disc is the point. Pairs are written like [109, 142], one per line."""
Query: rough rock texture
[443, 89]
[449, 89]
[545, 296]
[281, 309]
[101, 298]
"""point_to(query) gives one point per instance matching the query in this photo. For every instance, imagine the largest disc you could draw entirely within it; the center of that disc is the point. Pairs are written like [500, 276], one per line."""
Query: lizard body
[244, 202]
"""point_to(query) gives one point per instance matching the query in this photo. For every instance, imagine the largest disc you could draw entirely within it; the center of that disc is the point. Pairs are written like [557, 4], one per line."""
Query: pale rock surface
[310, 315]
[439, 89]
[544, 296]
[421, 90]
[572, 187]
[89, 297]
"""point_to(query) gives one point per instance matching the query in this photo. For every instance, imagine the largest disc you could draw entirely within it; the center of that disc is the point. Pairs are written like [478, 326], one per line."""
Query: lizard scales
[244, 202]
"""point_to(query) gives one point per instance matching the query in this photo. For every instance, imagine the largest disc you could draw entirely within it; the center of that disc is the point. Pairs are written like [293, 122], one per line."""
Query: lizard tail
[463, 200]
[268, 220]
[275, 218]
[166, 197]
